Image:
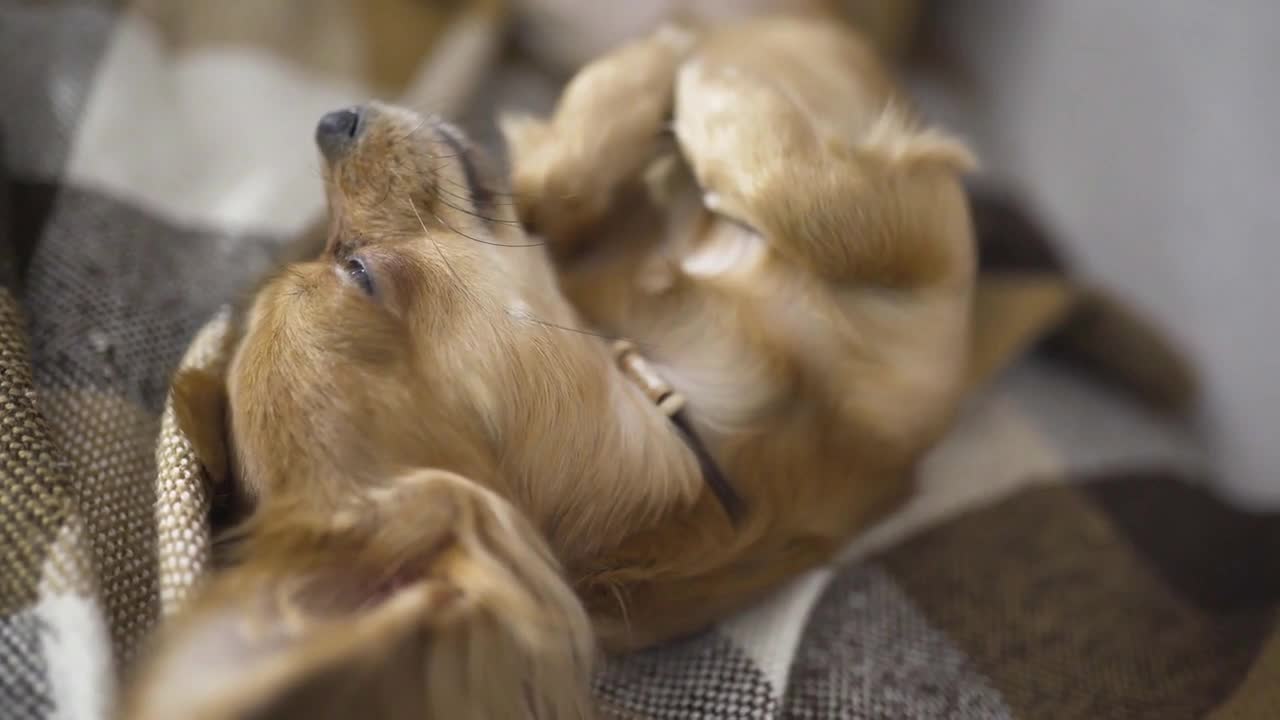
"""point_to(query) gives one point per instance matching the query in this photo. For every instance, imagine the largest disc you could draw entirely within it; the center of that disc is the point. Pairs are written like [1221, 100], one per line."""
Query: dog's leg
[877, 209]
[607, 127]
[431, 597]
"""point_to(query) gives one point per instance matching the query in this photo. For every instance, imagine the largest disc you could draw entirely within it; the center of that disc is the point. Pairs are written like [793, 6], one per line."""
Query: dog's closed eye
[358, 273]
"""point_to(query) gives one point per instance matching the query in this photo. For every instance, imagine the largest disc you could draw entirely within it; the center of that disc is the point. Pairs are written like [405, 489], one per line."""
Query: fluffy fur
[453, 491]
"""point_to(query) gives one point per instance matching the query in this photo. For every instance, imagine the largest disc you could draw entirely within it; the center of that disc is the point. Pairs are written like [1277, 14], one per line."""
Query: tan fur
[755, 207]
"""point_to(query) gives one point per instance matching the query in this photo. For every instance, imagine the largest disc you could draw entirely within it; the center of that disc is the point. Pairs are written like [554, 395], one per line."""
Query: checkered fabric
[1058, 560]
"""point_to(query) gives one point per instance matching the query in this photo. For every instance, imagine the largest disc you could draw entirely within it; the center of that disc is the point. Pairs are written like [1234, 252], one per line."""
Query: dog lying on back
[458, 482]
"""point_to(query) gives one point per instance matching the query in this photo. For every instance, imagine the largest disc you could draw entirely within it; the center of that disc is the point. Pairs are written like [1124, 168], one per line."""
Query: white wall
[1146, 133]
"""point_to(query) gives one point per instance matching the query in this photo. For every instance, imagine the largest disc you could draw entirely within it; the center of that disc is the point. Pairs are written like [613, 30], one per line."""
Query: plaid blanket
[1059, 560]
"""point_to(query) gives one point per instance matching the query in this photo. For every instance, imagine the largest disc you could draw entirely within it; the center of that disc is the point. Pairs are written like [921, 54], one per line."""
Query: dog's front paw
[609, 125]
[558, 190]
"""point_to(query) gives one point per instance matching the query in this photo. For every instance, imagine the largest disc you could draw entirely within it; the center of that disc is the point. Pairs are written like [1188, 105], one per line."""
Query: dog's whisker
[522, 316]
[463, 287]
[386, 191]
[526, 317]
[473, 213]
[472, 238]
[624, 612]
[441, 188]
[423, 119]
[495, 221]
[488, 190]
[439, 250]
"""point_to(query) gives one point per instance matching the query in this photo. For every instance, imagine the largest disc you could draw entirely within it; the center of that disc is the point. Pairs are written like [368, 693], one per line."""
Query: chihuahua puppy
[459, 482]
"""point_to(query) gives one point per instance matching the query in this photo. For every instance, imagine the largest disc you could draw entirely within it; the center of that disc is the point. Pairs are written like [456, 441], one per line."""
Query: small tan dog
[457, 483]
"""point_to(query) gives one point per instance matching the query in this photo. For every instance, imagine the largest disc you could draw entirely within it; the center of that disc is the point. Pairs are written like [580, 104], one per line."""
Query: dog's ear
[427, 598]
[261, 644]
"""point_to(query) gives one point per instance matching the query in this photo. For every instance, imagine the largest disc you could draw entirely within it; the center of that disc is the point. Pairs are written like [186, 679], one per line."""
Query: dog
[698, 344]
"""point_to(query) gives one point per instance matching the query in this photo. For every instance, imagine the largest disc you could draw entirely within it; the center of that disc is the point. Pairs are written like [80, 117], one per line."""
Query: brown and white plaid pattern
[1056, 562]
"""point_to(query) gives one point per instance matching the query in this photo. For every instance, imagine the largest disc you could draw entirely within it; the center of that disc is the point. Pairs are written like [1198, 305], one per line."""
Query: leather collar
[672, 404]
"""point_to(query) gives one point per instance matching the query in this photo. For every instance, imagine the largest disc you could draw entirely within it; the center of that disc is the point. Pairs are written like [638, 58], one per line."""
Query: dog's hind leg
[872, 201]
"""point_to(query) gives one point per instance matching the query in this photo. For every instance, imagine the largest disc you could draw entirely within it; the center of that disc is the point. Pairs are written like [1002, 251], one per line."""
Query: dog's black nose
[337, 132]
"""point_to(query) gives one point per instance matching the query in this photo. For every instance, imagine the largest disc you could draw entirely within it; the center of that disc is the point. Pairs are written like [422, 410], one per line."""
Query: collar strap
[672, 404]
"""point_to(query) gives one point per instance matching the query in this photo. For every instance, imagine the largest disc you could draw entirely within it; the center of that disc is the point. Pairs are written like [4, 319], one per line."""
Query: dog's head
[426, 333]
[430, 332]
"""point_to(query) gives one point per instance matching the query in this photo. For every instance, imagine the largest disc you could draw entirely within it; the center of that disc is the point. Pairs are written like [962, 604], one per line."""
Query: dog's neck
[601, 460]
[672, 404]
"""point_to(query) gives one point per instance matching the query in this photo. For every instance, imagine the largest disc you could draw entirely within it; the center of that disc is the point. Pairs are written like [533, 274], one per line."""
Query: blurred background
[1143, 134]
